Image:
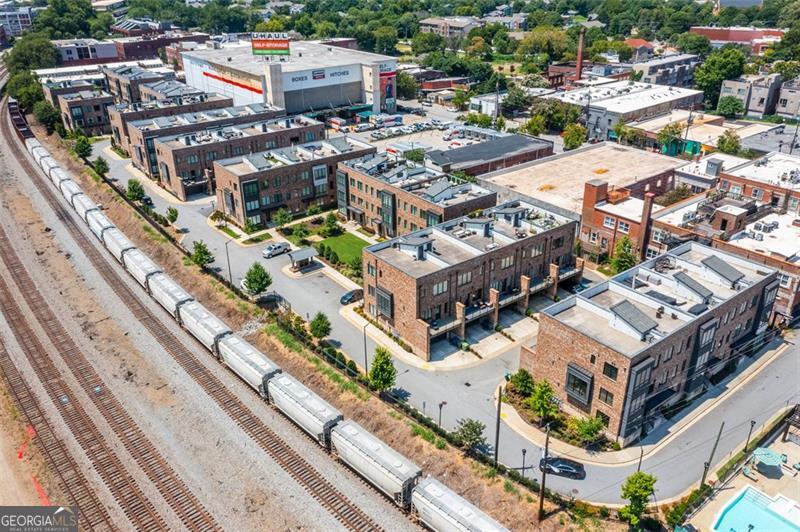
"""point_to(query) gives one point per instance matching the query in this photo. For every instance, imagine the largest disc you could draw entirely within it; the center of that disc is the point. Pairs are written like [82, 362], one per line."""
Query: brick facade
[86, 111]
[125, 87]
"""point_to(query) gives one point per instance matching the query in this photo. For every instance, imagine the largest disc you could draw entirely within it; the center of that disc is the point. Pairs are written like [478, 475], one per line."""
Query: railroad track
[92, 515]
[177, 495]
[289, 460]
[122, 486]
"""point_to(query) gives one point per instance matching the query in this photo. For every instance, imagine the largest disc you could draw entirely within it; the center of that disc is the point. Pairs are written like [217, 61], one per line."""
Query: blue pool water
[750, 508]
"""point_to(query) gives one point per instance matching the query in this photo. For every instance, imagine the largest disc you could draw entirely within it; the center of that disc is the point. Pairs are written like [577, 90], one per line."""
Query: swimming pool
[753, 511]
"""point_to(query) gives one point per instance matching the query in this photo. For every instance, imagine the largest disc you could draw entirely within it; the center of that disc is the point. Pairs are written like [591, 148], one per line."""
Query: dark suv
[563, 467]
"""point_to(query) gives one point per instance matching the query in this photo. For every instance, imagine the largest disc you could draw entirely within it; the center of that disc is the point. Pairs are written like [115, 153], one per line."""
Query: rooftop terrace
[281, 157]
[651, 301]
[226, 133]
[450, 243]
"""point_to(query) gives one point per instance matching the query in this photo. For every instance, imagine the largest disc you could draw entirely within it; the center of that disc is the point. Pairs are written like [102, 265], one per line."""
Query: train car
[117, 243]
[308, 410]
[250, 364]
[98, 223]
[83, 205]
[385, 468]
[48, 164]
[140, 266]
[202, 324]
[69, 188]
[31, 144]
[39, 153]
[443, 510]
[168, 293]
[57, 175]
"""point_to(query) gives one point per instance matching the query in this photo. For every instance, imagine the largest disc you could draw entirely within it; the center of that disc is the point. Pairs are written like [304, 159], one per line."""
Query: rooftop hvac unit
[758, 226]
[759, 237]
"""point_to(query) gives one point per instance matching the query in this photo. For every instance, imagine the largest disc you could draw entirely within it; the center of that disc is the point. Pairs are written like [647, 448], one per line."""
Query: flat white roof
[779, 169]
[629, 208]
[624, 96]
[698, 168]
[782, 242]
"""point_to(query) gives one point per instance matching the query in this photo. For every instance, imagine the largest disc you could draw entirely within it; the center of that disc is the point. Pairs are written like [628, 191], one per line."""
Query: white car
[275, 249]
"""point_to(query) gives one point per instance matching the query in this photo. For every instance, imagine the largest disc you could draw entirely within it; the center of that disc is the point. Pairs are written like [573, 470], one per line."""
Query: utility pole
[497, 425]
[641, 455]
[544, 473]
[524, 451]
[496, 103]
[707, 465]
[227, 256]
[749, 433]
[440, 412]
[366, 364]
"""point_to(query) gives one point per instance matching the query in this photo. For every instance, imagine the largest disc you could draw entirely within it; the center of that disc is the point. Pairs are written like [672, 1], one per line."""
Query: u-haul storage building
[313, 77]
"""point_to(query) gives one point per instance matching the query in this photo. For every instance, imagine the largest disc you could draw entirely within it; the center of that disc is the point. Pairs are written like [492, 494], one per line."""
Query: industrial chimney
[579, 61]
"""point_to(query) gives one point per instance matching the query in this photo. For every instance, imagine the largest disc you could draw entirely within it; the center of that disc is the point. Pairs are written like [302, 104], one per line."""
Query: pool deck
[787, 484]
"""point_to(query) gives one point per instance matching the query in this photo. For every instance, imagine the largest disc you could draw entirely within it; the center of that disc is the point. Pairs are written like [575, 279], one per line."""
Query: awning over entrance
[355, 210]
[302, 254]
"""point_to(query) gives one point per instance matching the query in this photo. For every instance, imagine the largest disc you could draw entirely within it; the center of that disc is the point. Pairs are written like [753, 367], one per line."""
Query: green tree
[423, 43]
[135, 191]
[542, 401]
[382, 373]
[385, 40]
[522, 382]
[320, 326]
[535, 126]
[300, 231]
[257, 279]
[47, 115]
[725, 63]
[407, 86]
[324, 29]
[574, 135]
[681, 192]
[669, 135]
[83, 148]
[100, 166]
[416, 155]
[729, 143]
[587, 429]
[624, 257]
[787, 69]
[26, 89]
[730, 106]
[516, 100]
[460, 100]
[276, 23]
[330, 226]
[469, 434]
[478, 119]
[201, 255]
[692, 43]
[638, 488]
[172, 215]
[31, 51]
[281, 217]
[313, 210]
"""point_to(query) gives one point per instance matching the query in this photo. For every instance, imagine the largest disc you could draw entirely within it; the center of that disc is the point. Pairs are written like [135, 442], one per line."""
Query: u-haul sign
[270, 43]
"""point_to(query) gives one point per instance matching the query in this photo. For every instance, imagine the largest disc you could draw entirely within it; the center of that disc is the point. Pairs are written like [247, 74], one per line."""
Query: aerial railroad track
[330, 498]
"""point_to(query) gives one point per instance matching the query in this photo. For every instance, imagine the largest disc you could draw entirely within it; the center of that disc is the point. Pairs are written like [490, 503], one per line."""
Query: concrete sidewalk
[631, 455]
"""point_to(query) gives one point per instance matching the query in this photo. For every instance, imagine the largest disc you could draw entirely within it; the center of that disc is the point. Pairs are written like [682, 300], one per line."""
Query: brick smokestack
[579, 62]
[594, 192]
[644, 230]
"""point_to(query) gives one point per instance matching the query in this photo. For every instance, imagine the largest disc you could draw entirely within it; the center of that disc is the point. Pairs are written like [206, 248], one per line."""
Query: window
[210, 156]
[440, 288]
[592, 237]
[785, 280]
[192, 159]
[610, 371]
[578, 385]
[558, 242]
[659, 236]
[371, 269]
[609, 222]
[707, 336]
[757, 193]
[507, 262]
[650, 253]
[464, 278]
[385, 302]
[603, 417]
[641, 378]
[624, 227]
[537, 250]
[606, 396]
[321, 190]
[668, 354]
[320, 172]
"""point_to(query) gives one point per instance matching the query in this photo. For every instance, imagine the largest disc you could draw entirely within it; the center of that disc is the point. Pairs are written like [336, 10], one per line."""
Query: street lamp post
[749, 433]
[544, 473]
[228, 257]
[440, 412]
[523, 462]
[364, 333]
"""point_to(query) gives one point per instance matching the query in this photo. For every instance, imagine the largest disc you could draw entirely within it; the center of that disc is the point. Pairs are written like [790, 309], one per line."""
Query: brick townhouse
[167, 89]
[252, 187]
[54, 89]
[392, 196]
[86, 111]
[124, 81]
[430, 284]
[651, 336]
[121, 115]
[142, 134]
[185, 162]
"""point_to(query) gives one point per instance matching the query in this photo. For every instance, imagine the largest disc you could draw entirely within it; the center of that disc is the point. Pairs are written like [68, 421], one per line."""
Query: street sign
[270, 43]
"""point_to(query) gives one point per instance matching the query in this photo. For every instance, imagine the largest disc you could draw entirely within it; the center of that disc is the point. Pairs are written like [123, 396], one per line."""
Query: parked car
[147, 200]
[275, 249]
[419, 111]
[352, 296]
[426, 103]
[563, 467]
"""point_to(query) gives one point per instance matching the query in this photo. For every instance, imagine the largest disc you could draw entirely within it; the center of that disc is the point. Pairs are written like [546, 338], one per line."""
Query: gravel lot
[204, 446]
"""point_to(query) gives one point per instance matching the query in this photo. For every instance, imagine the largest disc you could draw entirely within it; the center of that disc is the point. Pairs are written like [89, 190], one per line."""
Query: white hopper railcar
[48, 164]
[386, 469]
[202, 324]
[83, 205]
[30, 144]
[98, 223]
[168, 293]
[308, 410]
[250, 364]
[117, 243]
[443, 510]
[39, 153]
[140, 266]
[57, 175]
[69, 188]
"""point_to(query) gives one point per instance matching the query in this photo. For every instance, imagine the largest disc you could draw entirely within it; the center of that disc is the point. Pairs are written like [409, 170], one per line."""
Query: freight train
[429, 501]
